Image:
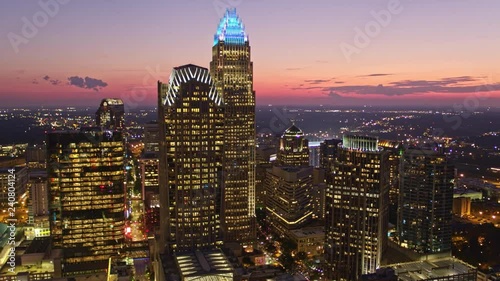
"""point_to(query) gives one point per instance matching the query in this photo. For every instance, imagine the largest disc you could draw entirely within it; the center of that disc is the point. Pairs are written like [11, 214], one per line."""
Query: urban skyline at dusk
[390, 53]
[249, 140]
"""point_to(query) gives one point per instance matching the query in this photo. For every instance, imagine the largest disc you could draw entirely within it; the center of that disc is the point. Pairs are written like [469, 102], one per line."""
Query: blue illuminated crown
[231, 29]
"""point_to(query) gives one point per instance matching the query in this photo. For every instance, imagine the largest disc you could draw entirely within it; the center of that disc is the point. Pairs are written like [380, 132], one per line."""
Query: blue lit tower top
[231, 29]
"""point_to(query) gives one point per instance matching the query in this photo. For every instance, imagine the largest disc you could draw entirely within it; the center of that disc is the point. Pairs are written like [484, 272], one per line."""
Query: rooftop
[200, 263]
[430, 269]
[38, 245]
[293, 131]
[308, 231]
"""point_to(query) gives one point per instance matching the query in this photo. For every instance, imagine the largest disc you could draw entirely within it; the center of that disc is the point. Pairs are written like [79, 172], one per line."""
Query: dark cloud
[20, 71]
[332, 94]
[411, 87]
[34, 81]
[375, 75]
[459, 84]
[317, 81]
[294, 68]
[301, 87]
[87, 83]
[54, 82]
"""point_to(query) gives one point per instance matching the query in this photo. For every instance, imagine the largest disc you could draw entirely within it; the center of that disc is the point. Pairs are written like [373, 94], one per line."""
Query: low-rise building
[446, 269]
[204, 266]
[461, 206]
[309, 240]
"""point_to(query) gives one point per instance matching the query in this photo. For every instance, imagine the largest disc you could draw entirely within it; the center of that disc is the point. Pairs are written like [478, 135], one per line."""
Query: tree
[301, 256]
[247, 261]
[287, 261]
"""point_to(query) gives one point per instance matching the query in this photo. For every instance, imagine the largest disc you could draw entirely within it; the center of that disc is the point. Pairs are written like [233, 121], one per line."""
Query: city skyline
[307, 53]
[371, 156]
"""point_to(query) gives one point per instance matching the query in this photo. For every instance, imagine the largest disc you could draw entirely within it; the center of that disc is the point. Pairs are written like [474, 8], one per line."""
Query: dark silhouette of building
[111, 114]
[425, 201]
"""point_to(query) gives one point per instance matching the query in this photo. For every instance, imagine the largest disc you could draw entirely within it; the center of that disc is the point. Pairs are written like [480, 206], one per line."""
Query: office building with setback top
[232, 71]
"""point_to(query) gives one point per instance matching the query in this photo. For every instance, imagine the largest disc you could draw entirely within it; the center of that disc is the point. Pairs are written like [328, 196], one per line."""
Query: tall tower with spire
[232, 71]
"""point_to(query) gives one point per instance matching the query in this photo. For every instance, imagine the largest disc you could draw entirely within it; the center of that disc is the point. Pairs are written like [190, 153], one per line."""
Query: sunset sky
[305, 52]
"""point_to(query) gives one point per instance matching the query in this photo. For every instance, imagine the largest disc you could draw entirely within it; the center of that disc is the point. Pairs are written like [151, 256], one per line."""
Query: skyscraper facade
[357, 208]
[288, 198]
[328, 151]
[111, 114]
[85, 173]
[425, 201]
[294, 149]
[191, 118]
[232, 71]
[151, 138]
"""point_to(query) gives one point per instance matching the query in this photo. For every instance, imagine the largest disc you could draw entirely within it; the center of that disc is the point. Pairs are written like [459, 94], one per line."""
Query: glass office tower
[85, 172]
[191, 118]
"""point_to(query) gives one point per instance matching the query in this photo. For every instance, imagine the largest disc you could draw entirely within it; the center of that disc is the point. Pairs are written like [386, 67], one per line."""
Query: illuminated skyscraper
[294, 149]
[191, 115]
[425, 201]
[232, 71]
[288, 197]
[111, 114]
[357, 208]
[85, 173]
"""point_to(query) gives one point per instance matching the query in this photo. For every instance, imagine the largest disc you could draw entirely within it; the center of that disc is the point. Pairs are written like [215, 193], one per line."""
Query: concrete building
[310, 240]
[461, 206]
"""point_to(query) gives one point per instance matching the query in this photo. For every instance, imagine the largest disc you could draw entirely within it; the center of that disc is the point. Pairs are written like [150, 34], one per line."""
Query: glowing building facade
[288, 198]
[357, 208]
[111, 114]
[232, 71]
[425, 201]
[191, 115]
[294, 149]
[85, 173]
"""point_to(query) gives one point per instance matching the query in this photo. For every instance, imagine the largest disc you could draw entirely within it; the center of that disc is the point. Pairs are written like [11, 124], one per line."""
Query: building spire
[231, 29]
